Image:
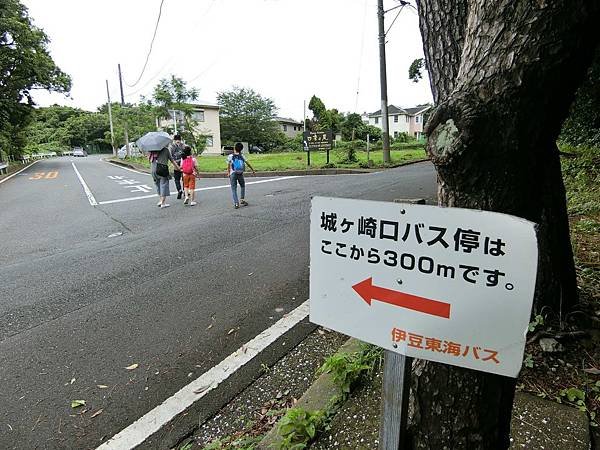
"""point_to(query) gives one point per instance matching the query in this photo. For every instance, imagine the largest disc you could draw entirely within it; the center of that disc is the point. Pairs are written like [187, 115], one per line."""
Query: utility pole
[383, 80]
[174, 112]
[127, 152]
[112, 133]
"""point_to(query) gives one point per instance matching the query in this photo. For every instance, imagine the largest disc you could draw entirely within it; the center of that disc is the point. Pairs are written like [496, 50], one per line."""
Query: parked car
[78, 151]
[226, 150]
[256, 149]
[133, 151]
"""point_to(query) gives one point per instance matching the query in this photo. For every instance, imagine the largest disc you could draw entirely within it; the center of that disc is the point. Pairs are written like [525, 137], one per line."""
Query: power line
[151, 44]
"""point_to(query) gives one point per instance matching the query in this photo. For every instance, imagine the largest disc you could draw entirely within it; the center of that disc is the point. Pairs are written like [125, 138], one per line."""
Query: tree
[246, 116]
[317, 107]
[173, 94]
[503, 74]
[25, 65]
[582, 126]
[354, 127]
[415, 71]
[140, 120]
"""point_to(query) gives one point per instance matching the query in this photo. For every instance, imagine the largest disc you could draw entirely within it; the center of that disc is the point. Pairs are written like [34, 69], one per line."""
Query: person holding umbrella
[156, 143]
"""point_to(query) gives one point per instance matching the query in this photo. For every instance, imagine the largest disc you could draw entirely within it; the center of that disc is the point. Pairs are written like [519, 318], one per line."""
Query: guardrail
[34, 156]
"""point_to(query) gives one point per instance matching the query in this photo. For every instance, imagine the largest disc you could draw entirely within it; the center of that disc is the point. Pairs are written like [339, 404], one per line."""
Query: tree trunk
[503, 75]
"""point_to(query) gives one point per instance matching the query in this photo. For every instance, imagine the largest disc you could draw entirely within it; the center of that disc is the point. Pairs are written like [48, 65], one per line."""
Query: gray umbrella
[154, 141]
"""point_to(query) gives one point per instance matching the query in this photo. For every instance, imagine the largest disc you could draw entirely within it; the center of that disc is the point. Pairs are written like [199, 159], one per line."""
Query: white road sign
[445, 284]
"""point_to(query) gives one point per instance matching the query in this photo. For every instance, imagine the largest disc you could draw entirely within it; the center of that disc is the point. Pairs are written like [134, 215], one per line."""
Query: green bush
[581, 173]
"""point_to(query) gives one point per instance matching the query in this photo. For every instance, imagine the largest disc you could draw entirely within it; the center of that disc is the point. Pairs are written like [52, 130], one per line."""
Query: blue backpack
[238, 164]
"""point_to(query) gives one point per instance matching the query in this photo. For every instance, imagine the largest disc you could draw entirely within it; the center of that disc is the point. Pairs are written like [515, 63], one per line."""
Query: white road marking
[124, 168]
[18, 172]
[86, 189]
[209, 188]
[150, 423]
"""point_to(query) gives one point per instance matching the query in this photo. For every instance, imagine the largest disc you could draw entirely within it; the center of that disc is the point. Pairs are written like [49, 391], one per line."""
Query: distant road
[94, 278]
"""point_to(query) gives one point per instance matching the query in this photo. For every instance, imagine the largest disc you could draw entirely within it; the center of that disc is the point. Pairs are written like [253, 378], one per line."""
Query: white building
[289, 127]
[401, 120]
[207, 121]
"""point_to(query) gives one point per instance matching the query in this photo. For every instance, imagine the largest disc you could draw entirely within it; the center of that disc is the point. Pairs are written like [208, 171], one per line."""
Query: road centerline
[136, 433]
[86, 189]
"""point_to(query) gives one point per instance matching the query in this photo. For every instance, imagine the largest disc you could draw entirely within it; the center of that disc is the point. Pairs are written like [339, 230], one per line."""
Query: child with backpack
[190, 173]
[236, 165]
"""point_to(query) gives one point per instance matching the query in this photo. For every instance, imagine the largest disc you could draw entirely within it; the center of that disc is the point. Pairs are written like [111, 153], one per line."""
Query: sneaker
[187, 199]
[236, 205]
[165, 205]
[193, 203]
[243, 203]
[159, 204]
[179, 194]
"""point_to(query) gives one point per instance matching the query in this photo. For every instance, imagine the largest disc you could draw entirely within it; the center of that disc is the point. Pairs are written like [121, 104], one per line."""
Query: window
[198, 116]
[396, 134]
[284, 127]
[407, 119]
[209, 141]
[395, 119]
[417, 119]
[376, 119]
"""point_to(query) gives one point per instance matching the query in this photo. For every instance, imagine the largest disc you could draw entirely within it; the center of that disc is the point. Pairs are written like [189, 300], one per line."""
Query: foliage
[298, 427]
[239, 443]
[536, 322]
[290, 145]
[415, 71]
[317, 107]
[347, 369]
[140, 119]
[351, 149]
[247, 116]
[172, 94]
[25, 65]
[581, 172]
[582, 126]
[528, 361]
[353, 125]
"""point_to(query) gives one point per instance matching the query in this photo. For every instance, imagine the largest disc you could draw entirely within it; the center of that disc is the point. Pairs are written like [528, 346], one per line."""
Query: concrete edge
[317, 397]
[279, 173]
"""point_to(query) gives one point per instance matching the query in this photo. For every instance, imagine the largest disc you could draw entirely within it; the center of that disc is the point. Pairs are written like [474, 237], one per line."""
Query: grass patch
[297, 161]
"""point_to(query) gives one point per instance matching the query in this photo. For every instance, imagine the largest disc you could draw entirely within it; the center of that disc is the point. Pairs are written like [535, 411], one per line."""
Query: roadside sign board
[318, 140]
[444, 284]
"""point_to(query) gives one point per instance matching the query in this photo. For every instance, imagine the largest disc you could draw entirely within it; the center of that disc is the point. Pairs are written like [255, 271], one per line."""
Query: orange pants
[189, 181]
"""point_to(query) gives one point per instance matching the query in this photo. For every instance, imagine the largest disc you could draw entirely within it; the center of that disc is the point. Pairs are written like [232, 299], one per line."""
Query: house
[289, 127]
[402, 120]
[207, 121]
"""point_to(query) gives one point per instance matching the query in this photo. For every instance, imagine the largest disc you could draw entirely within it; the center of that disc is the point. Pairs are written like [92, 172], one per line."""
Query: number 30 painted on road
[44, 175]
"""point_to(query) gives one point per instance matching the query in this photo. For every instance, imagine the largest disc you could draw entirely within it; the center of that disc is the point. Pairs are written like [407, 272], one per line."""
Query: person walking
[236, 165]
[190, 173]
[160, 173]
[176, 149]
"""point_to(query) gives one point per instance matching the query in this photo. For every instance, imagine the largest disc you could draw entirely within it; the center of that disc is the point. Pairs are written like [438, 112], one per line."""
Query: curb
[535, 422]
[317, 397]
[278, 173]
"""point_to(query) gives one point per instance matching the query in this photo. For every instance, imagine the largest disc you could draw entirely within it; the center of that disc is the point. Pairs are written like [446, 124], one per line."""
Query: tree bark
[503, 74]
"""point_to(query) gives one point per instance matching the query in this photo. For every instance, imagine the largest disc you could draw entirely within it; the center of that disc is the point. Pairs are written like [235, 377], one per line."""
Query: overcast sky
[287, 50]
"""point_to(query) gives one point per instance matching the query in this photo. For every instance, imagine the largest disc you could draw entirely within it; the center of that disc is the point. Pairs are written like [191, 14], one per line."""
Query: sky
[287, 50]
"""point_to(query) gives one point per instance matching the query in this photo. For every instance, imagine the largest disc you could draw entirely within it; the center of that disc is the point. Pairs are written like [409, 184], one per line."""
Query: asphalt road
[88, 290]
